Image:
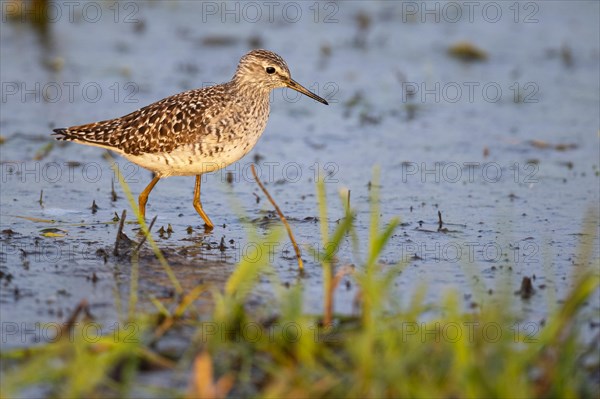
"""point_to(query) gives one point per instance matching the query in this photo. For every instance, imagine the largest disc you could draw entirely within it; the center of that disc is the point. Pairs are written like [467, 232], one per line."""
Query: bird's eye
[270, 70]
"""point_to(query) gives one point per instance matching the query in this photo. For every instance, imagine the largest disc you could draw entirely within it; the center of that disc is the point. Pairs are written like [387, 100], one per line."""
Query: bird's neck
[250, 88]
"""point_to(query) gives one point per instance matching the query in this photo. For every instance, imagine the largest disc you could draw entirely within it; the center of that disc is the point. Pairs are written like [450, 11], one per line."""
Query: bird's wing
[159, 127]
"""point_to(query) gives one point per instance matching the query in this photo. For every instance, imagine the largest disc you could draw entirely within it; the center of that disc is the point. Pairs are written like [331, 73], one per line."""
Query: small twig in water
[69, 324]
[41, 198]
[283, 219]
[440, 222]
[119, 232]
[146, 235]
[113, 193]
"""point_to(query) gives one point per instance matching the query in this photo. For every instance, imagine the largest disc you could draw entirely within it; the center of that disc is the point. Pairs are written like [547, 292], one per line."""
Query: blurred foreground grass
[277, 350]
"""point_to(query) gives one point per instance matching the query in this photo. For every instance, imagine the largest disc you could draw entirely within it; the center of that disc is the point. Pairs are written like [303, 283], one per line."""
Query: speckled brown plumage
[160, 127]
[196, 131]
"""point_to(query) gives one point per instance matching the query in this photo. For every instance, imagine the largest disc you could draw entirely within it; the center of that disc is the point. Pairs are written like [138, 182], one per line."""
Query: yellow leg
[198, 206]
[143, 198]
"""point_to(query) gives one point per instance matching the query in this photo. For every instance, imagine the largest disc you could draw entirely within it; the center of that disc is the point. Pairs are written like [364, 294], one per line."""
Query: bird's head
[267, 70]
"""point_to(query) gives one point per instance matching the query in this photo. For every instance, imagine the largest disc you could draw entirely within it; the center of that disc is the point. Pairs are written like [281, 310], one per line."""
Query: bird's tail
[63, 134]
[99, 133]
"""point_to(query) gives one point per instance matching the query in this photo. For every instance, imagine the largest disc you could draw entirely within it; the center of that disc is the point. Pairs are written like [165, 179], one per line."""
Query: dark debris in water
[219, 41]
[94, 206]
[9, 232]
[526, 290]
[165, 233]
[101, 252]
[564, 53]
[271, 217]
[544, 145]
[113, 193]
[467, 52]
[124, 245]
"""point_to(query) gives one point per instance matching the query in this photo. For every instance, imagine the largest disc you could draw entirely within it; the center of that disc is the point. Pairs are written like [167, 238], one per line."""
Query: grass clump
[386, 349]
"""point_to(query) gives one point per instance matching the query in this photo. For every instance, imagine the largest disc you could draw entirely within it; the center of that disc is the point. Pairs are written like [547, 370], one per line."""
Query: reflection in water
[34, 14]
[443, 144]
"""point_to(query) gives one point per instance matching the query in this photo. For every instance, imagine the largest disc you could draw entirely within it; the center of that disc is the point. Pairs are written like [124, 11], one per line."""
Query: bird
[197, 131]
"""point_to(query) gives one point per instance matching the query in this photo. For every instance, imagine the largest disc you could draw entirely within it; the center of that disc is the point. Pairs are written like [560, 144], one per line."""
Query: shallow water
[512, 179]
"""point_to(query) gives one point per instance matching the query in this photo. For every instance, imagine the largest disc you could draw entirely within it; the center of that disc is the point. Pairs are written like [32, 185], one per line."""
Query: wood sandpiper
[197, 131]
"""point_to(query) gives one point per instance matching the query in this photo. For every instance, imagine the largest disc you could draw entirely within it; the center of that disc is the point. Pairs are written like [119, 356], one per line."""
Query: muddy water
[506, 148]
